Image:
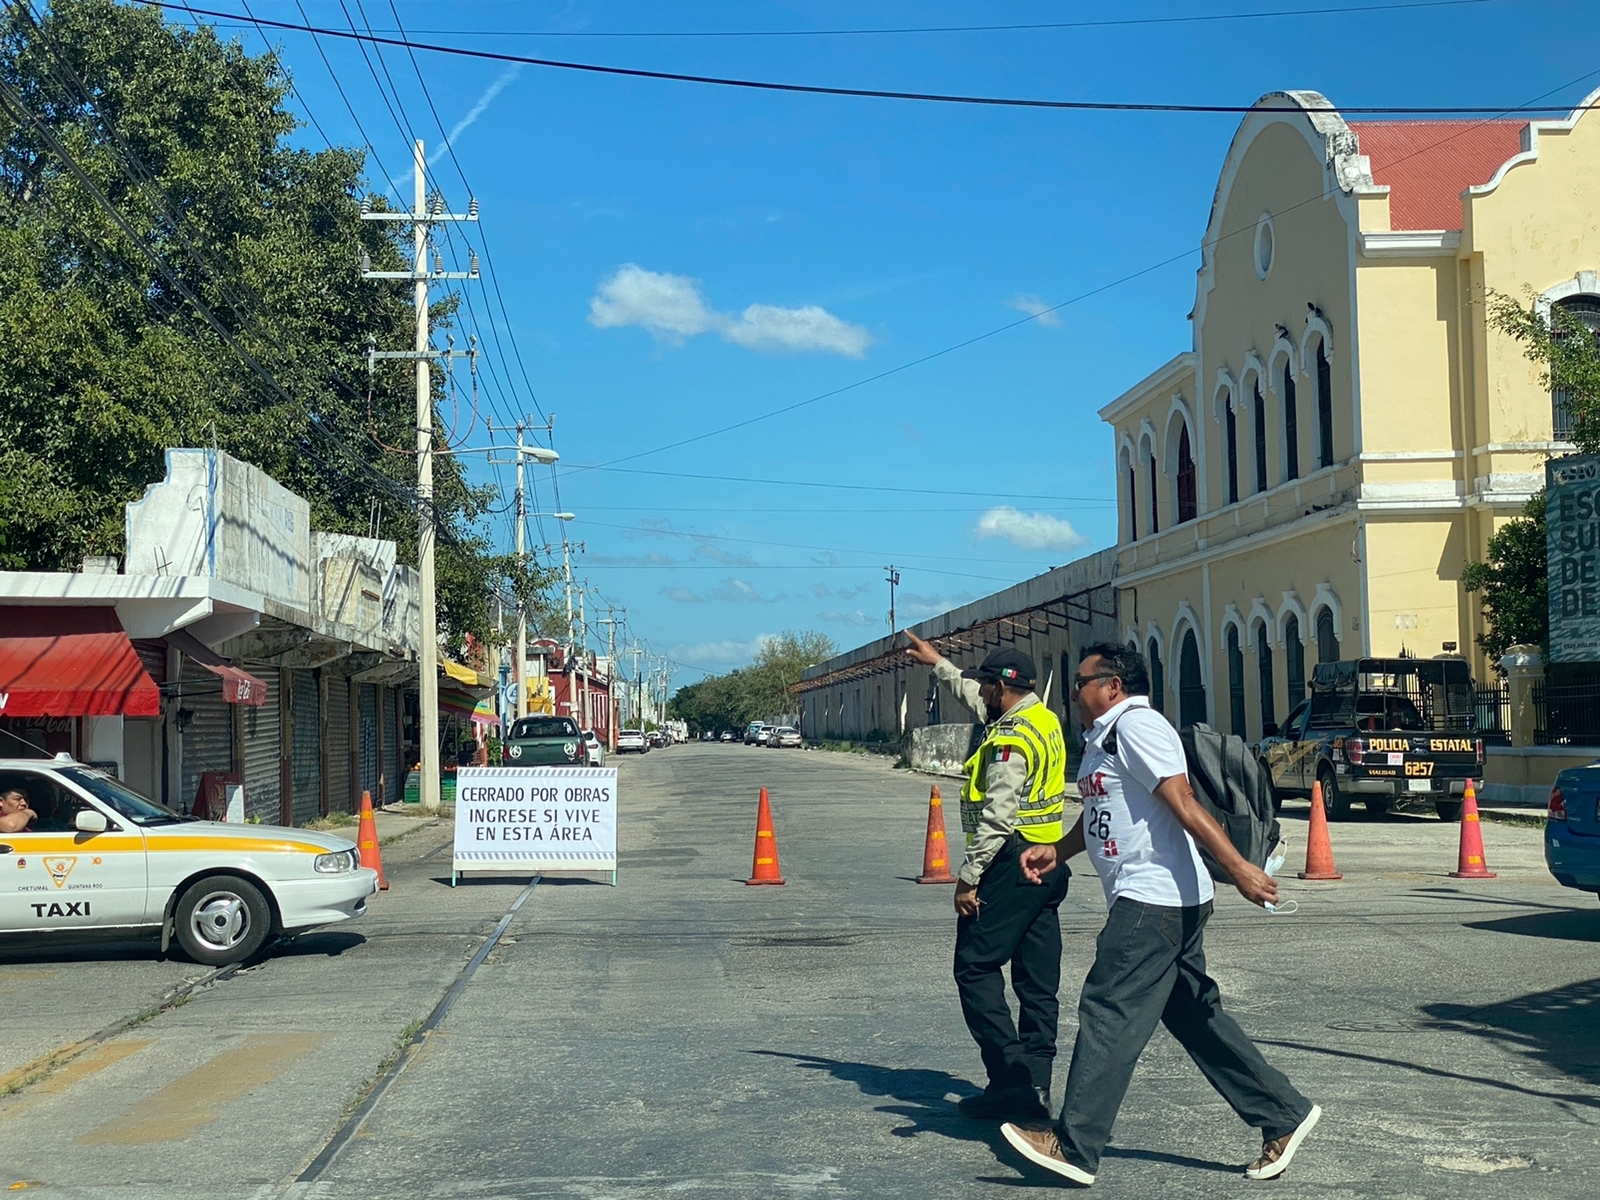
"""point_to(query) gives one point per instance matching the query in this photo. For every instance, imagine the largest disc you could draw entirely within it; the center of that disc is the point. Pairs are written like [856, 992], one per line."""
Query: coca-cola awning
[58, 661]
[238, 686]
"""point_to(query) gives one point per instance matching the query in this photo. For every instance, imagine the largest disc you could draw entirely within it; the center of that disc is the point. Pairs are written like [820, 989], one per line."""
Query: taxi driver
[15, 811]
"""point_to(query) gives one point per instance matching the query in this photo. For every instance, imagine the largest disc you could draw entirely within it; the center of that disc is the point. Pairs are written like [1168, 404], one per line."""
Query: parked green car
[544, 742]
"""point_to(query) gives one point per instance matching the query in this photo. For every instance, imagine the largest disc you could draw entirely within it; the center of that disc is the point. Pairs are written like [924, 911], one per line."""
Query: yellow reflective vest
[1034, 733]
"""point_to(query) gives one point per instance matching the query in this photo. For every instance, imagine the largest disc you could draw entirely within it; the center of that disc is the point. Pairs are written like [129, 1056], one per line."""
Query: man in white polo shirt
[1139, 827]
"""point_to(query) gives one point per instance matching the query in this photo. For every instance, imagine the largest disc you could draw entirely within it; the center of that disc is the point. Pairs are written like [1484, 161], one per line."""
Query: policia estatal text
[1012, 797]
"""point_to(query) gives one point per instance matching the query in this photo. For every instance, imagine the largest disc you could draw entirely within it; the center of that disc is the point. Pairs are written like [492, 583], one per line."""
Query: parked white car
[597, 751]
[632, 739]
[785, 737]
[96, 855]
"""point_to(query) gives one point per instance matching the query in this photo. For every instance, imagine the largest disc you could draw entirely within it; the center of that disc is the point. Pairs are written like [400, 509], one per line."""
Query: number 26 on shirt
[1098, 826]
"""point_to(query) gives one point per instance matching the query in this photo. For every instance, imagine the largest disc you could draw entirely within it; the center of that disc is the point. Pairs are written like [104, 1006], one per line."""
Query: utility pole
[522, 616]
[614, 704]
[422, 218]
[583, 659]
[894, 581]
[894, 628]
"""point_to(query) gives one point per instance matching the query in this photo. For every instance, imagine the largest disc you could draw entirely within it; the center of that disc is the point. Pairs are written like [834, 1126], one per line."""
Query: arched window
[1158, 679]
[1327, 639]
[1269, 706]
[1155, 493]
[1324, 408]
[1191, 684]
[1188, 508]
[1235, 682]
[1133, 503]
[1261, 439]
[1291, 425]
[1233, 449]
[1585, 312]
[1294, 659]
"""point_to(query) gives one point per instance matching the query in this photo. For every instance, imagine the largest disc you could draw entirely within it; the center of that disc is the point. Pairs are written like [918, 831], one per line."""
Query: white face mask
[1273, 866]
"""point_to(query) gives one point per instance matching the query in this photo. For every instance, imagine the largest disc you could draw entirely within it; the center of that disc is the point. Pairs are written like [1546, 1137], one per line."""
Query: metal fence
[1567, 714]
[1492, 715]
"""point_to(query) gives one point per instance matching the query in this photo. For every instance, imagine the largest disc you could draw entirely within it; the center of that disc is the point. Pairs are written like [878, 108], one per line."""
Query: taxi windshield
[120, 798]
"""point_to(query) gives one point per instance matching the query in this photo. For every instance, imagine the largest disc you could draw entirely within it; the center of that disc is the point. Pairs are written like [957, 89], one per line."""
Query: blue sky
[677, 258]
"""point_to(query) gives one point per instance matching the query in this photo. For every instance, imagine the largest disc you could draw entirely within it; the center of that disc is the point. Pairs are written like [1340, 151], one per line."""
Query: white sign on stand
[535, 820]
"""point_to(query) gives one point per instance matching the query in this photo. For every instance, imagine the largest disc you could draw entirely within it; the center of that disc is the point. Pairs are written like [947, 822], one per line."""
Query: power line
[864, 93]
[1045, 25]
[847, 487]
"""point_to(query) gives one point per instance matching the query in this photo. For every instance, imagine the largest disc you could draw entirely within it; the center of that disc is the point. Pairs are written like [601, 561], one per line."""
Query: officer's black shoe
[1005, 1104]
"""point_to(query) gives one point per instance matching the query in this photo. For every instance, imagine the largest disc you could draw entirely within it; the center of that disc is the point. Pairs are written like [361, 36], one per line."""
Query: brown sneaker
[1042, 1148]
[1276, 1154]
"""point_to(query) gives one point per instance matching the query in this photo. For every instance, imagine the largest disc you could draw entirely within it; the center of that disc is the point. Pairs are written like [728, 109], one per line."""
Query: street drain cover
[797, 939]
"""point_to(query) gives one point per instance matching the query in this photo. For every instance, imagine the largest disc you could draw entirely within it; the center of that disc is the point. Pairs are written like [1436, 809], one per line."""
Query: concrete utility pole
[894, 581]
[522, 616]
[583, 659]
[615, 706]
[422, 218]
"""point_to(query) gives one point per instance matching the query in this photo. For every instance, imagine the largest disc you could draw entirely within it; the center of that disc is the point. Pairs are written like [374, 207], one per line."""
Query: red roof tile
[1428, 164]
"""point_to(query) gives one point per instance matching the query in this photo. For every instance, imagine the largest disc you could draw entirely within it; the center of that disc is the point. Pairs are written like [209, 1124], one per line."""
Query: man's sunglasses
[1079, 682]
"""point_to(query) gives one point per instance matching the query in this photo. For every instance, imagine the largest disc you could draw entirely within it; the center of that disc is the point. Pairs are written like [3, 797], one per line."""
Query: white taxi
[95, 855]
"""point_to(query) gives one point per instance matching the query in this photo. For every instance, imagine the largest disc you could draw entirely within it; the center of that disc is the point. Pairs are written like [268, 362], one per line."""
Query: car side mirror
[90, 821]
[1270, 729]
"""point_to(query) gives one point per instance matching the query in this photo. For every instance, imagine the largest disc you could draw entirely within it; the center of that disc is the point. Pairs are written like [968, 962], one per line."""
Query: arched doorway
[1191, 686]
[1158, 679]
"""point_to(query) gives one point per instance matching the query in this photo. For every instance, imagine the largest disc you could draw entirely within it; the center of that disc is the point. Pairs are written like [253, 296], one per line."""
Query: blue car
[1572, 829]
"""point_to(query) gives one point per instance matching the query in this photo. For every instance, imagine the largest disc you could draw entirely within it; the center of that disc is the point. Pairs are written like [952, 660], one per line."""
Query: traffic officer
[1013, 793]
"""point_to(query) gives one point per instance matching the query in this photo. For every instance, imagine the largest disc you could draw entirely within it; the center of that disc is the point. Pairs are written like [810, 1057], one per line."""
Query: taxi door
[52, 876]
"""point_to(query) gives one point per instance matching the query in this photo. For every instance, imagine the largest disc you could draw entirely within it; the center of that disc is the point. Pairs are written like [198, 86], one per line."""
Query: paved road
[683, 1034]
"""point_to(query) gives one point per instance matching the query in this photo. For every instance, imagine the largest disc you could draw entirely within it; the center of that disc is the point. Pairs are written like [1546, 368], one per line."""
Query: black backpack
[1232, 786]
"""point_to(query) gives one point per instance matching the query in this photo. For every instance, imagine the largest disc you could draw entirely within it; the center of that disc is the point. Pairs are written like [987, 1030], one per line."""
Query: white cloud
[731, 653]
[767, 327]
[1028, 531]
[857, 618]
[919, 607]
[669, 306]
[739, 591]
[1028, 303]
[672, 308]
[683, 595]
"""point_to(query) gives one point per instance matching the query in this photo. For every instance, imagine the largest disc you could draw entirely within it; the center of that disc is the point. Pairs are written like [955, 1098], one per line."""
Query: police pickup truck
[1392, 731]
[544, 742]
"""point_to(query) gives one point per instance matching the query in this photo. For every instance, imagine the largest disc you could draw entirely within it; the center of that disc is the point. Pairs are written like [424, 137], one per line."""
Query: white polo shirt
[1137, 845]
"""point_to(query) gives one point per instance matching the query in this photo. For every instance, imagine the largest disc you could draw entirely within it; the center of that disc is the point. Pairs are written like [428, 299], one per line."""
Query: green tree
[105, 359]
[1514, 586]
[756, 692]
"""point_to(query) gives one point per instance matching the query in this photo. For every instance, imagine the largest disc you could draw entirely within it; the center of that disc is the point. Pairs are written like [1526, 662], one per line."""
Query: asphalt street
[682, 1034]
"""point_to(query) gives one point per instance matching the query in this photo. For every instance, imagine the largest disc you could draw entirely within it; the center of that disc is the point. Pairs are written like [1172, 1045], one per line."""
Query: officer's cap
[1010, 667]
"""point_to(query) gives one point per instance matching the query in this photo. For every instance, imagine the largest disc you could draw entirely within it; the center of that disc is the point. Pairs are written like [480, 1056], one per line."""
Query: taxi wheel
[222, 919]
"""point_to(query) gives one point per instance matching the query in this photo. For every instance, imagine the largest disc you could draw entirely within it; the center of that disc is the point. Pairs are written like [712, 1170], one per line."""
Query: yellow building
[1309, 479]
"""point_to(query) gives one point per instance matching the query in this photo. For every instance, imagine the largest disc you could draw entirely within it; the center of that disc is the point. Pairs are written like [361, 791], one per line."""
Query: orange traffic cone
[1469, 859]
[367, 839]
[935, 855]
[765, 868]
[1319, 850]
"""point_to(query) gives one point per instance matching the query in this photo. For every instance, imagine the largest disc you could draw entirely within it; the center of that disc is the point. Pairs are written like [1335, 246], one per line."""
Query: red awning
[71, 662]
[238, 686]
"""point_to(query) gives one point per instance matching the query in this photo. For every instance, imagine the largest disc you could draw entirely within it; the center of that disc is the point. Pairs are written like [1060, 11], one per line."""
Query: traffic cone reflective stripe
[1470, 862]
[367, 841]
[765, 868]
[1319, 848]
[935, 852]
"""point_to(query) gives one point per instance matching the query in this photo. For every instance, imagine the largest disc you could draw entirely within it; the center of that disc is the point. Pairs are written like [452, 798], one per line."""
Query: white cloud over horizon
[1034, 306]
[726, 654]
[729, 591]
[1028, 531]
[673, 309]
[858, 619]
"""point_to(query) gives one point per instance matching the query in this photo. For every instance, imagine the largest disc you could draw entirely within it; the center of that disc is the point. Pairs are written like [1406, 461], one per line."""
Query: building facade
[1346, 431]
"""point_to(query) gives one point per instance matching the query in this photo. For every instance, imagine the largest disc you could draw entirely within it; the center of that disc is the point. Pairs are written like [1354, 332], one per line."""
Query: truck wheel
[1335, 804]
[1448, 810]
[222, 919]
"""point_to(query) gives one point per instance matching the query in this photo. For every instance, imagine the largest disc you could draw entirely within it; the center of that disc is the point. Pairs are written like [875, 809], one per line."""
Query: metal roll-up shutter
[394, 758]
[305, 748]
[152, 653]
[336, 752]
[367, 738]
[263, 750]
[208, 734]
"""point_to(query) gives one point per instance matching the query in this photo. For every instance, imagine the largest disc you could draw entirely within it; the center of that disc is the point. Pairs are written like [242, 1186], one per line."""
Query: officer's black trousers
[1016, 924]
